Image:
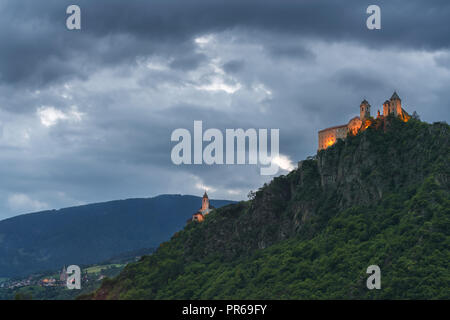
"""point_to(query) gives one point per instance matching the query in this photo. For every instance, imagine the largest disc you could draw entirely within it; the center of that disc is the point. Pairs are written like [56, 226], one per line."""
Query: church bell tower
[205, 202]
[364, 110]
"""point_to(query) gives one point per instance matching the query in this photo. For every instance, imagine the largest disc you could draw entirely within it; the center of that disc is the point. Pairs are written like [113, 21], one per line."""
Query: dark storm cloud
[188, 62]
[112, 93]
[290, 51]
[361, 81]
[234, 66]
[40, 50]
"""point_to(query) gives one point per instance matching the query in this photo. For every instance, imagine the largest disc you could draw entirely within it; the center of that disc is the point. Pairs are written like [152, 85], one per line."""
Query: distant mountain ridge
[91, 233]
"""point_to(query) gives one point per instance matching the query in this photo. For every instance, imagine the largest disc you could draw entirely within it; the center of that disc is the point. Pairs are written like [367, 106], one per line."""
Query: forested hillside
[380, 197]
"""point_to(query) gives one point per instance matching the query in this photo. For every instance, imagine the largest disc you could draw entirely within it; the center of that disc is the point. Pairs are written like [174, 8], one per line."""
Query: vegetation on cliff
[380, 197]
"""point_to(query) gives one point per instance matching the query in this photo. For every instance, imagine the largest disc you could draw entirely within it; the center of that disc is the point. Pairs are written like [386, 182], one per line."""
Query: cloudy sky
[86, 116]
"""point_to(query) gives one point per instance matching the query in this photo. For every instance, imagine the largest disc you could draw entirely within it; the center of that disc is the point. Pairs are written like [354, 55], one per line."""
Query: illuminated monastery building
[329, 136]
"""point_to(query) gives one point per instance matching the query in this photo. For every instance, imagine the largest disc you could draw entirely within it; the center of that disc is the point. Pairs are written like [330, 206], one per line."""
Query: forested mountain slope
[380, 197]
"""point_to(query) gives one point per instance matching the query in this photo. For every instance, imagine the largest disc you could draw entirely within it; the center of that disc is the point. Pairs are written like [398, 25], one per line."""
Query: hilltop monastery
[329, 136]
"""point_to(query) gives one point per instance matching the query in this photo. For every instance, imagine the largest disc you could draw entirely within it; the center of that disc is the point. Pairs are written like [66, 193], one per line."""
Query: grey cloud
[188, 62]
[443, 60]
[37, 49]
[361, 80]
[295, 51]
[234, 66]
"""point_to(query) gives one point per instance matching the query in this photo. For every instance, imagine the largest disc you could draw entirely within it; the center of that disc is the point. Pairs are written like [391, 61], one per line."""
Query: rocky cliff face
[357, 171]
